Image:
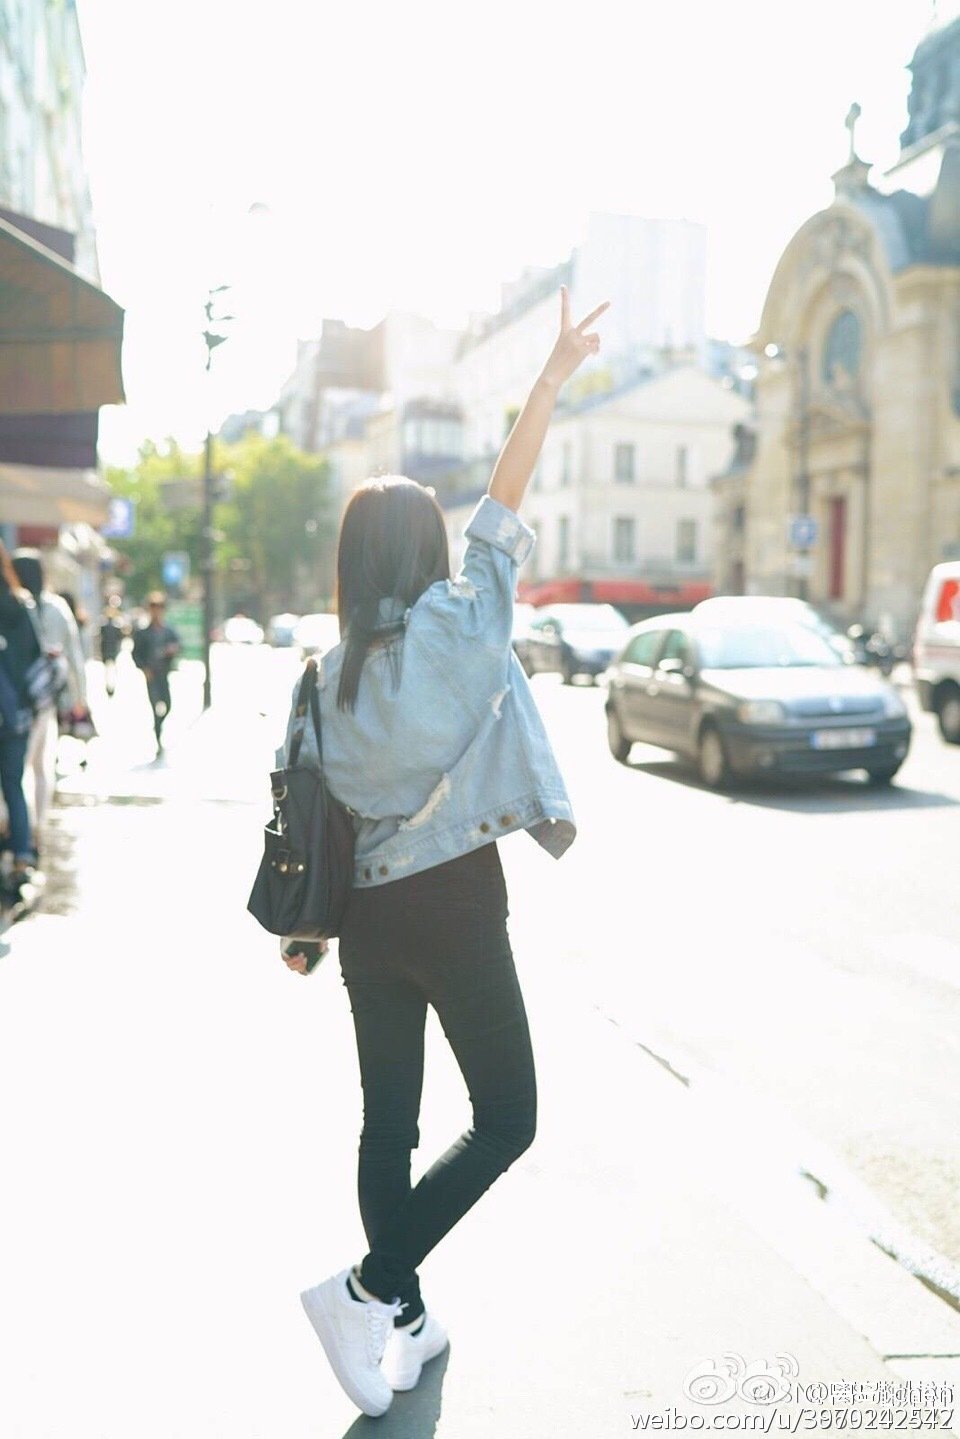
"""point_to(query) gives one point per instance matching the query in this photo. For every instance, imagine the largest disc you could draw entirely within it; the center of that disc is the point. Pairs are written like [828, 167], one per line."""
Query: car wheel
[948, 715]
[712, 763]
[882, 775]
[620, 746]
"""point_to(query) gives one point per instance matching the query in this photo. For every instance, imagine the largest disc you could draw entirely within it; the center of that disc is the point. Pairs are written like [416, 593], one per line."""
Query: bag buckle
[286, 862]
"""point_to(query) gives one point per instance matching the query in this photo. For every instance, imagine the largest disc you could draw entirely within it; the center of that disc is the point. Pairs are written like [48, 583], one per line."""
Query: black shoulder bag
[306, 873]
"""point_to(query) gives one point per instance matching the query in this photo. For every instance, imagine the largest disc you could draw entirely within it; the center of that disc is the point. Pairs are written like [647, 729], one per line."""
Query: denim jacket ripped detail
[445, 750]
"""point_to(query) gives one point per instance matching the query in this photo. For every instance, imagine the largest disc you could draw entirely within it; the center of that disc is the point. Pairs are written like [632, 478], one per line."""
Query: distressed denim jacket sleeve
[477, 604]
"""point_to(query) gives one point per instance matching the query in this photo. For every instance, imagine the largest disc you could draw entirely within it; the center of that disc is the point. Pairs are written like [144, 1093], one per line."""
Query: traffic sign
[175, 569]
[122, 519]
[803, 532]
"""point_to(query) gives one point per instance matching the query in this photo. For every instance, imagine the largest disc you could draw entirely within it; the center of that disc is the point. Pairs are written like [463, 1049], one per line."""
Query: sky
[349, 159]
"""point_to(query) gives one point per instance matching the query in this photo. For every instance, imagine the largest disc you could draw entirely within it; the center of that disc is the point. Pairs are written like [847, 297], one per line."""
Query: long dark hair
[393, 545]
[8, 575]
[13, 597]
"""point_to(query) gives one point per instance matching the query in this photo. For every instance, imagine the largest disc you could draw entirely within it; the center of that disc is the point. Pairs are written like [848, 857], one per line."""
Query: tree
[274, 524]
[159, 527]
[278, 525]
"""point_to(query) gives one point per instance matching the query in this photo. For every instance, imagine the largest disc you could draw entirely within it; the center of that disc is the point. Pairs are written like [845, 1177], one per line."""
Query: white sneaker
[407, 1353]
[353, 1334]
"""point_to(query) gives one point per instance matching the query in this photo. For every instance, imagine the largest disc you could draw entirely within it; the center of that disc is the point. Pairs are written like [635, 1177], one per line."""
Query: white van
[936, 649]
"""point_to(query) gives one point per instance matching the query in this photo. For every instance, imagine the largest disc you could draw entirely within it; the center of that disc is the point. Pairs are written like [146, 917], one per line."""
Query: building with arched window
[850, 488]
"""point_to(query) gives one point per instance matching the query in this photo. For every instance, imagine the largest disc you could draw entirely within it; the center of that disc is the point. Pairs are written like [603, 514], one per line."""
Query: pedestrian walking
[156, 646]
[432, 738]
[60, 639]
[111, 643]
[19, 650]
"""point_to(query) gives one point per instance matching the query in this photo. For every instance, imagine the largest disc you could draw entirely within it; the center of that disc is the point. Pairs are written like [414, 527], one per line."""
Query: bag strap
[317, 729]
[306, 699]
[33, 615]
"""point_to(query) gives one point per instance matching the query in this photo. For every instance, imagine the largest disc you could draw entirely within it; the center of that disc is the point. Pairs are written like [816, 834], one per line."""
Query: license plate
[843, 738]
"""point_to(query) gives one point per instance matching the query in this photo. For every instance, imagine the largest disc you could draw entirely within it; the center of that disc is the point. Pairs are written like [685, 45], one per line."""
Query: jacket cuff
[502, 528]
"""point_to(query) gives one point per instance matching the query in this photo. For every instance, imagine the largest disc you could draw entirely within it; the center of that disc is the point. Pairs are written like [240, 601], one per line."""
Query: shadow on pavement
[827, 795]
[411, 1416]
[59, 861]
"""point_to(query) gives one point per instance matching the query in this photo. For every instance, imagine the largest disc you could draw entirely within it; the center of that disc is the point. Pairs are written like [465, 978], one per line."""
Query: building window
[563, 542]
[683, 466]
[624, 471]
[624, 540]
[843, 350]
[686, 542]
[566, 465]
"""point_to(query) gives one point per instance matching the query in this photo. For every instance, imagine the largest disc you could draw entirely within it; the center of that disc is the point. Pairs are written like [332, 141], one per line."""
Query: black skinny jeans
[158, 693]
[439, 938]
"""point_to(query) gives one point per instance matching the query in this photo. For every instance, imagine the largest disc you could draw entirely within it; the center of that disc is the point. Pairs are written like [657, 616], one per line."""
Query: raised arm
[511, 473]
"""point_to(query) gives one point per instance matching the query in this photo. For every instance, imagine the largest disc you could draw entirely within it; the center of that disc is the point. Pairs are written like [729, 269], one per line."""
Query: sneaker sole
[406, 1379]
[325, 1330]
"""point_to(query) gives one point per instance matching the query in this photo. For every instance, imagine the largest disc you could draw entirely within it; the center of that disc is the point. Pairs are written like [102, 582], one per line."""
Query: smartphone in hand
[312, 950]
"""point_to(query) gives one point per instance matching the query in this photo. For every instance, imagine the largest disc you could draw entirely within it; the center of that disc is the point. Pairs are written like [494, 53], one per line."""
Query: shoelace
[379, 1320]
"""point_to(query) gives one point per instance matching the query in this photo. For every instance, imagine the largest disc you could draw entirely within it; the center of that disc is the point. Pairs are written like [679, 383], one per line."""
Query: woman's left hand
[297, 960]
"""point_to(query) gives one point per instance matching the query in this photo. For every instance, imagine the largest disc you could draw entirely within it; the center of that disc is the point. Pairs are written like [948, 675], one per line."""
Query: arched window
[844, 347]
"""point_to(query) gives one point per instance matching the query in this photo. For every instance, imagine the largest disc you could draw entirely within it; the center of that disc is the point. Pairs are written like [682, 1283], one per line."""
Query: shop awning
[60, 336]
[30, 495]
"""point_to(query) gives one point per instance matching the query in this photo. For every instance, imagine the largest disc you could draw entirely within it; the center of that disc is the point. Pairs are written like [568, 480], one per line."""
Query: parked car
[574, 640]
[752, 697]
[280, 630]
[242, 630]
[316, 634]
[936, 649]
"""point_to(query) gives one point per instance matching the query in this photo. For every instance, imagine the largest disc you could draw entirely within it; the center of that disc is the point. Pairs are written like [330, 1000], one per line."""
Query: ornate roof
[934, 102]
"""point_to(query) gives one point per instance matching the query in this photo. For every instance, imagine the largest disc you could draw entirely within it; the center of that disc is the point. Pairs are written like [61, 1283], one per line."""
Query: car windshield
[763, 646]
[589, 618]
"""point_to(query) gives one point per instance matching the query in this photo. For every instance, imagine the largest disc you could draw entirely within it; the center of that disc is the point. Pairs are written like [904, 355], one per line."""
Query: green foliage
[158, 528]
[274, 525]
[278, 524]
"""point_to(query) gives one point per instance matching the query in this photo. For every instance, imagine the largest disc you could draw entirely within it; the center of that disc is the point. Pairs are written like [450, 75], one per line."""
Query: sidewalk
[180, 1143]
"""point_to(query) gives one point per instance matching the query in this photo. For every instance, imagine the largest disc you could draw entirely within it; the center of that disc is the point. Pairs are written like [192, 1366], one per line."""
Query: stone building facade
[857, 423]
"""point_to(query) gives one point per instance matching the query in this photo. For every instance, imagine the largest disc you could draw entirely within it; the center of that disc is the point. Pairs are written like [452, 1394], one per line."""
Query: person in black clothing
[155, 649]
[19, 649]
[111, 643]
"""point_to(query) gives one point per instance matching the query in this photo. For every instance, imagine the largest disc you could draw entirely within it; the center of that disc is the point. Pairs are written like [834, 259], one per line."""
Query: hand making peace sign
[574, 343]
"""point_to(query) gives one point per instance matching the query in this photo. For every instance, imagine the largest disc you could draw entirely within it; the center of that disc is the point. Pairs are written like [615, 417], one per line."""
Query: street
[797, 943]
[798, 940]
[763, 987]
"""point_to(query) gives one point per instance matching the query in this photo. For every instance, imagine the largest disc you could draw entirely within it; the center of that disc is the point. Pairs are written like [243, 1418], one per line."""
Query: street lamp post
[211, 339]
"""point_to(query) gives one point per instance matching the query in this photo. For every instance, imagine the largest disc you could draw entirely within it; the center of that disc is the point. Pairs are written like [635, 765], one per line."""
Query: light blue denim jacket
[446, 749]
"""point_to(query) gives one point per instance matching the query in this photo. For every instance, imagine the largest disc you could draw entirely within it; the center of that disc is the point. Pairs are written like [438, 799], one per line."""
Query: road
[755, 982]
[796, 947]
